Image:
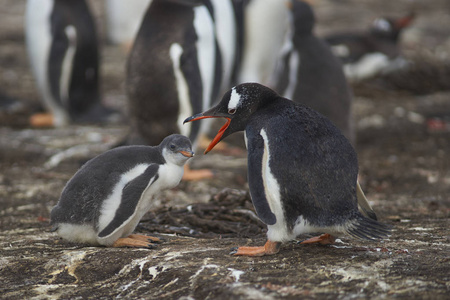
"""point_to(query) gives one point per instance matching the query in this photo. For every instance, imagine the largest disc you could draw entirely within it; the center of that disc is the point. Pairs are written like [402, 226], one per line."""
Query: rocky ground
[403, 143]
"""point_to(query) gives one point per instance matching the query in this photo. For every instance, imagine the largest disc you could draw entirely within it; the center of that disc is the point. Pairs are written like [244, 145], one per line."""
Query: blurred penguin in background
[373, 52]
[184, 54]
[124, 19]
[309, 73]
[62, 46]
[266, 28]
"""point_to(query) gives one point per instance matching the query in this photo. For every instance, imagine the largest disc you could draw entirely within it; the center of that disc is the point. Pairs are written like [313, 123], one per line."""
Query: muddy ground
[403, 145]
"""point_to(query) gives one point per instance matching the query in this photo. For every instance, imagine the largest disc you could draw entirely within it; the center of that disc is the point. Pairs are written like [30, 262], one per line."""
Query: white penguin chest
[169, 176]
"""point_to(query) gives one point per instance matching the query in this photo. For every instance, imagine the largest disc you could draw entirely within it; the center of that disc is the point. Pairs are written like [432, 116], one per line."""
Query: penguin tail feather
[370, 213]
[368, 229]
[364, 203]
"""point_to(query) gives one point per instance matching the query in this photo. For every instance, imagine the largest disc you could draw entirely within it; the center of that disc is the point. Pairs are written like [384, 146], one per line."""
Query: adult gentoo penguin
[104, 201]
[183, 55]
[266, 26]
[310, 74]
[62, 46]
[302, 172]
[175, 67]
[374, 52]
[123, 20]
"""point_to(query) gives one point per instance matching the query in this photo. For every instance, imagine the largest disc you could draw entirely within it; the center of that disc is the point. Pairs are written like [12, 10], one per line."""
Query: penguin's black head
[176, 148]
[390, 29]
[236, 106]
[303, 17]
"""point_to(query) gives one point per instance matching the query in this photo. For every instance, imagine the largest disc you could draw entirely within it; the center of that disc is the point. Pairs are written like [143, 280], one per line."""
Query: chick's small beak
[187, 153]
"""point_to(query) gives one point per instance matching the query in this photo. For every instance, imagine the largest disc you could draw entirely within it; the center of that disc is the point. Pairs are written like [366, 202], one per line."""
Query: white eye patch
[235, 99]
[382, 24]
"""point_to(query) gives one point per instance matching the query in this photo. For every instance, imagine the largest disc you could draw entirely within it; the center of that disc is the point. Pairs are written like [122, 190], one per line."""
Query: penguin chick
[302, 172]
[104, 201]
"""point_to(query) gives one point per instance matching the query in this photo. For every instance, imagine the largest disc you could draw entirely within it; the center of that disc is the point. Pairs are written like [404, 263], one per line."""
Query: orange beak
[187, 153]
[218, 136]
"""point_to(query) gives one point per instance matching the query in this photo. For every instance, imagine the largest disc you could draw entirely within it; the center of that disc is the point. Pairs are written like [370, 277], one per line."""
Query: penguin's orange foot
[323, 239]
[145, 238]
[42, 120]
[269, 248]
[133, 243]
[192, 175]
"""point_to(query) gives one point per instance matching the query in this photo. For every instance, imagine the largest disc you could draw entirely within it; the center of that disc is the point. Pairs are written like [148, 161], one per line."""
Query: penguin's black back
[314, 164]
[84, 193]
[321, 80]
[151, 82]
[322, 76]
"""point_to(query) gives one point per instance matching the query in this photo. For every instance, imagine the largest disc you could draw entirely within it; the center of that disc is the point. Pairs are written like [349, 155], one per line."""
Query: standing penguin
[175, 67]
[302, 172]
[183, 55]
[123, 20]
[104, 201]
[310, 74]
[370, 53]
[266, 26]
[62, 45]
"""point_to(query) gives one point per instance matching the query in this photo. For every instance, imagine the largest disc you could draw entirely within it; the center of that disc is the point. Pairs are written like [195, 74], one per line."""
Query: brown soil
[403, 145]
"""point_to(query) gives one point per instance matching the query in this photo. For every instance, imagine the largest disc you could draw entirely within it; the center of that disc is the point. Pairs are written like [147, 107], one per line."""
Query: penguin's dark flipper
[270, 248]
[132, 191]
[323, 239]
[255, 144]
[132, 243]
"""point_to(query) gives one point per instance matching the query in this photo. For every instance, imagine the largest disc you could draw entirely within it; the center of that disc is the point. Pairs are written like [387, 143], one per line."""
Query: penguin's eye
[231, 111]
[172, 147]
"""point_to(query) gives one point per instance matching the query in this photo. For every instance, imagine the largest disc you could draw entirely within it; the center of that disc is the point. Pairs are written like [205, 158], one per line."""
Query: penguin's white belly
[38, 42]
[260, 52]
[182, 89]
[124, 19]
[78, 233]
[206, 56]
[225, 29]
[368, 66]
[302, 226]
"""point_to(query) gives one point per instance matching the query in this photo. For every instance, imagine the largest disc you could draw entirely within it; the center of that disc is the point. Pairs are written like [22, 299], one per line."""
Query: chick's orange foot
[137, 241]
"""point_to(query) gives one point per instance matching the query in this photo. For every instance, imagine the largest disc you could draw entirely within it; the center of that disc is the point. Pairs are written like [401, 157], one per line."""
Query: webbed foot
[270, 248]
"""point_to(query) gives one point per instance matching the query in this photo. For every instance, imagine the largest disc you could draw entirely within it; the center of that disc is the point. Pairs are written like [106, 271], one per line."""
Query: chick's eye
[172, 147]
[231, 111]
